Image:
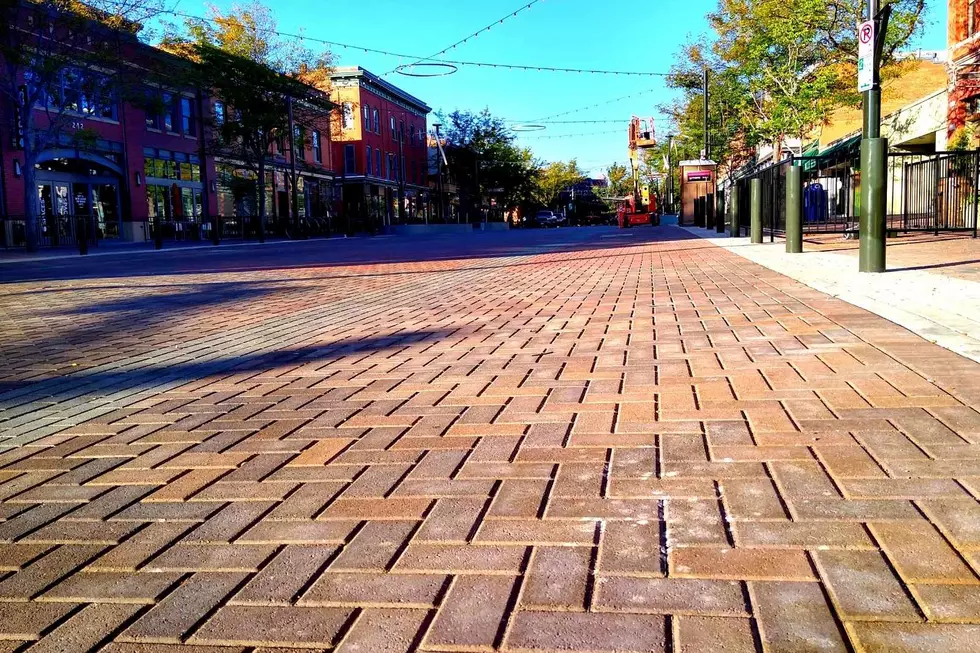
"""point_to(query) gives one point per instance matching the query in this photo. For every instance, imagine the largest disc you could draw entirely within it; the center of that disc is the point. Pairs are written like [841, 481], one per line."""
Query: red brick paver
[582, 440]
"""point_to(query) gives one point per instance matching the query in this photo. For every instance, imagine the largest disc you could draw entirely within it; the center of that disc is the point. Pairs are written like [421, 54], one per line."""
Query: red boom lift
[642, 206]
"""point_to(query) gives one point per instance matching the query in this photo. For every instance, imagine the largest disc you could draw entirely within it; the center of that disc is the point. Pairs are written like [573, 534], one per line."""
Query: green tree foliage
[485, 162]
[620, 183]
[257, 76]
[554, 178]
[60, 61]
[778, 70]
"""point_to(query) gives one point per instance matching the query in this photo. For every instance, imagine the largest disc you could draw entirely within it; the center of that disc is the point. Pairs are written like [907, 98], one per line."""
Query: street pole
[442, 216]
[707, 139]
[670, 172]
[401, 171]
[292, 167]
[874, 158]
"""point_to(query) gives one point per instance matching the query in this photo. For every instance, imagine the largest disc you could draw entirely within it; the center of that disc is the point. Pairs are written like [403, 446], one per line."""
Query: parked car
[546, 218]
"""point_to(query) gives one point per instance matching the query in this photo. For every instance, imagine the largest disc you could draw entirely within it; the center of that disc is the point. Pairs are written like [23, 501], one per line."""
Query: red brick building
[963, 36]
[380, 149]
[145, 158]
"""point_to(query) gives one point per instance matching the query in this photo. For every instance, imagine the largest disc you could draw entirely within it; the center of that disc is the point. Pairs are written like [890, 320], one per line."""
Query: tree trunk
[261, 187]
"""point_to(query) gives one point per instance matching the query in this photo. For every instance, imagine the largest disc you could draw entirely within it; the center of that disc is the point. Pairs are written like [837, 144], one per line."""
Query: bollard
[720, 212]
[873, 205]
[794, 210]
[216, 230]
[733, 228]
[82, 236]
[709, 211]
[756, 217]
[157, 233]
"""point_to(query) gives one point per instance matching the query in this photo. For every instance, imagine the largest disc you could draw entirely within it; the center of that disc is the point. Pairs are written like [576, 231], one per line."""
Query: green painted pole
[756, 216]
[873, 205]
[733, 227]
[794, 210]
[874, 162]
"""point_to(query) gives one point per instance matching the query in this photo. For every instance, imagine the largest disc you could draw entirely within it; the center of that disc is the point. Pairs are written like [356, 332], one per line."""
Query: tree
[61, 61]
[778, 69]
[482, 157]
[556, 177]
[259, 77]
[620, 181]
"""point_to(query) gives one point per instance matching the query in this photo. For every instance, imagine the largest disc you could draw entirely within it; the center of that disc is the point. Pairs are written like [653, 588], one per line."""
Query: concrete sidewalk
[942, 308]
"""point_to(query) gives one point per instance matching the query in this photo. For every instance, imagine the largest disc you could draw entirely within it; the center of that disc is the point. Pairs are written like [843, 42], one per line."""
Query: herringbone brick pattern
[607, 442]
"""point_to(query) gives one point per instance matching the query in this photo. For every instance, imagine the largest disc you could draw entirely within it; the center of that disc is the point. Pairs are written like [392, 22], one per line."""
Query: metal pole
[794, 210]
[756, 211]
[874, 153]
[707, 140]
[976, 200]
[670, 173]
[442, 207]
[292, 167]
[401, 171]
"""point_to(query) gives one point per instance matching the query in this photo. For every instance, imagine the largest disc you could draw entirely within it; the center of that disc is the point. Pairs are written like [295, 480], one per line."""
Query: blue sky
[615, 34]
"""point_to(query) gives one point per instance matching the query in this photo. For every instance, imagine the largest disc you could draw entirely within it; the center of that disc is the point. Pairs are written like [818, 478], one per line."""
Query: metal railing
[925, 192]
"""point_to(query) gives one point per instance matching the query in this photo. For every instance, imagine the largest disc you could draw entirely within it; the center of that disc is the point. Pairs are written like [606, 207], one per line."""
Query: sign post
[874, 149]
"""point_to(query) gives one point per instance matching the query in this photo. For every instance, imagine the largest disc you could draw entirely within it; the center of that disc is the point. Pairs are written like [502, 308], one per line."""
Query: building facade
[963, 36]
[379, 141]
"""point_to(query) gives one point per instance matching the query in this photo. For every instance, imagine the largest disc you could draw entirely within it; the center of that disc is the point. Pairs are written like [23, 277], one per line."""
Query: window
[169, 108]
[317, 152]
[411, 134]
[348, 115]
[377, 162]
[367, 117]
[421, 142]
[391, 166]
[401, 131]
[368, 160]
[377, 121]
[392, 119]
[350, 160]
[401, 170]
[187, 116]
[299, 142]
[219, 113]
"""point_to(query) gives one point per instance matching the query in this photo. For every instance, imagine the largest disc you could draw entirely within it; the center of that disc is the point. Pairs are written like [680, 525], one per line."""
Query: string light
[418, 59]
[599, 133]
[594, 106]
[474, 34]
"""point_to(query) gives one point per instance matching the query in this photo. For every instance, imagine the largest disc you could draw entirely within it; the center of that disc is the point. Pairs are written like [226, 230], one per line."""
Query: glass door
[105, 209]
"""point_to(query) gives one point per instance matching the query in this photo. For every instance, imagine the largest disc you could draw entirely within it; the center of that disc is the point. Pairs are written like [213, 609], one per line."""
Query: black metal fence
[925, 192]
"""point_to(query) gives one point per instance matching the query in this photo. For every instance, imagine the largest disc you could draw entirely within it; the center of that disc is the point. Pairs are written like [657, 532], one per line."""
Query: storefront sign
[699, 175]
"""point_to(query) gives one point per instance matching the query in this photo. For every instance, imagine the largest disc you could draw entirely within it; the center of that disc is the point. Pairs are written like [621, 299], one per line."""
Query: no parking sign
[866, 56]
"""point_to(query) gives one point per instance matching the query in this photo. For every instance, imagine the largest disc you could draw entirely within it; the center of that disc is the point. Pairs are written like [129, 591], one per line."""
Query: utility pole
[707, 139]
[874, 149]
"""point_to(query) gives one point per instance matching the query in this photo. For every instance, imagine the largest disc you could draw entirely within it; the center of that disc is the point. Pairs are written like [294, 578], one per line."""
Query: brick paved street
[567, 440]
